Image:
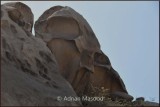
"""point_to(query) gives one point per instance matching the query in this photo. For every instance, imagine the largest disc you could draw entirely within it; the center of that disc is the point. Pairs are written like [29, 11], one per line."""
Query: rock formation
[64, 58]
[77, 51]
[29, 70]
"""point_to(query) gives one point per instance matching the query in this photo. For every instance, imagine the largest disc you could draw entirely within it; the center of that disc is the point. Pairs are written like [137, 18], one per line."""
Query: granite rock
[77, 51]
[29, 72]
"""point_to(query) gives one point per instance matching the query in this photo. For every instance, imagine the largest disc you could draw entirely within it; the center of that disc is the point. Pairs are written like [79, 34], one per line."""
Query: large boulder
[29, 72]
[77, 51]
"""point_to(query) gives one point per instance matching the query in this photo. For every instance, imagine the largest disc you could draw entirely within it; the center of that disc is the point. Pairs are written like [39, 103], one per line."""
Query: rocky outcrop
[29, 71]
[63, 59]
[77, 51]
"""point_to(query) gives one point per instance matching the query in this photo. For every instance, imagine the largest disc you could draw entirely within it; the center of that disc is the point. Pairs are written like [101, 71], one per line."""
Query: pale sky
[128, 32]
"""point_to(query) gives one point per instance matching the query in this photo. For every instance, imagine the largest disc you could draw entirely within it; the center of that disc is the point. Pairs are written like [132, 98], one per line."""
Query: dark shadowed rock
[29, 73]
[140, 99]
[118, 94]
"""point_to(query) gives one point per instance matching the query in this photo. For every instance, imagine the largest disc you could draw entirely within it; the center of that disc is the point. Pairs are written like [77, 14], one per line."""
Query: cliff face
[29, 70]
[62, 59]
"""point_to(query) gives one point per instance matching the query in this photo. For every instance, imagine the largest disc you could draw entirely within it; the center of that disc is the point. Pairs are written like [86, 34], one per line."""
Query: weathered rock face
[77, 51]
[29, 73]
[34, 70]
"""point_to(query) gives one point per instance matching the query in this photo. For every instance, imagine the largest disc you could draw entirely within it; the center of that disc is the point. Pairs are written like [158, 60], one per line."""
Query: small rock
[140, 99]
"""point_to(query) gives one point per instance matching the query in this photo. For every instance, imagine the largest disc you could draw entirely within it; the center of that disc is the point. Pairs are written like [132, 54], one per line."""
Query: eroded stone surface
[29, 74]
[20, 14]
[77, 51]
[66, 44]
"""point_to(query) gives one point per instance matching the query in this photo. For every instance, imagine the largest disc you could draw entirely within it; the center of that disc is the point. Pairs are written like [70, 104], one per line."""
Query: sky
[128, 32]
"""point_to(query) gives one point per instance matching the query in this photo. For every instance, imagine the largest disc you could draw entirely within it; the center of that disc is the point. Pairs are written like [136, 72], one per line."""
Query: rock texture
[77, 51]
[64, 58]
[29, 70]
